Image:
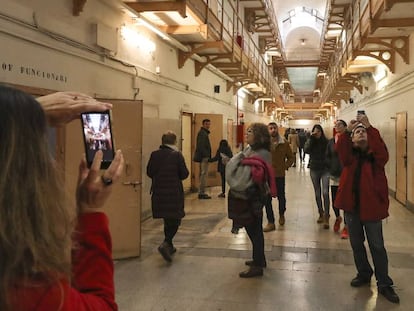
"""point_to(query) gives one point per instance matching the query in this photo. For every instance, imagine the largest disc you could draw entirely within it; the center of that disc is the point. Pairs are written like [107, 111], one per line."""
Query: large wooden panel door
[216, 134]
[124, 206]
[230, 134]
[186, 120]
[401, 157]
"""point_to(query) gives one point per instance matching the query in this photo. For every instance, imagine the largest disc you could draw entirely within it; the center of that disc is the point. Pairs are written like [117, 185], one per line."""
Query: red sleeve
[344, 149]
[93, 269]
[377, 146]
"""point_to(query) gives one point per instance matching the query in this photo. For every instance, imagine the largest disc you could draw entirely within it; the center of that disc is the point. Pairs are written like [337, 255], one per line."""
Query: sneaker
[389, 293]
[337, 224]
[344, 233]
[222, 195]
[282, 220]
[203, 196]
[269, 227]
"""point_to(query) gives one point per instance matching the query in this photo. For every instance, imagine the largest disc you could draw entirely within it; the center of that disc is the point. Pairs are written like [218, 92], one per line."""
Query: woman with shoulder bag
[251, 179]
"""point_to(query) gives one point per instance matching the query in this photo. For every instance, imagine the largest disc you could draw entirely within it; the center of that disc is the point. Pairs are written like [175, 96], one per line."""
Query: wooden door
[216, 134]
[230, 134]
[186, 120]
[401, 157]
[124, 206]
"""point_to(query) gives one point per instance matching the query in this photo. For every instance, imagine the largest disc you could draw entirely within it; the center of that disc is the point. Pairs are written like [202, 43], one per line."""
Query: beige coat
[293, 140]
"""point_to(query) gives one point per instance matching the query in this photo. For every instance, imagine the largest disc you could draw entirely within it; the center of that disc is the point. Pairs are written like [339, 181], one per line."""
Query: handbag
[239, 210]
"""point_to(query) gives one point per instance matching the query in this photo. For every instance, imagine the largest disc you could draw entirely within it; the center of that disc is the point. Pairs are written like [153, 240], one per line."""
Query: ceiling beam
[160, 6]
[303, 63]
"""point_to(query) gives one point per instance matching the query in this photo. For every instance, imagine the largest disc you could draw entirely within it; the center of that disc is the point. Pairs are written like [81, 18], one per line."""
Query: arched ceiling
[300, 24]
[302, 44]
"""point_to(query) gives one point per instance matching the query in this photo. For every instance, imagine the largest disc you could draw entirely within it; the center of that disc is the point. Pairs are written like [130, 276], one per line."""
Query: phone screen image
[97, 135]
[361, 111]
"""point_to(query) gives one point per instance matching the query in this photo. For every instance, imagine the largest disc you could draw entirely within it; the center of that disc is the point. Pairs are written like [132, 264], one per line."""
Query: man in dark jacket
[166, 167]
[363, 195]
[302, 140]
[203, 154]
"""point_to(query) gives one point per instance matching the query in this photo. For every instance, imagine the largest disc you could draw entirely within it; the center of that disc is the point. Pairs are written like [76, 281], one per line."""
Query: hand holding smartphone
[97, 135]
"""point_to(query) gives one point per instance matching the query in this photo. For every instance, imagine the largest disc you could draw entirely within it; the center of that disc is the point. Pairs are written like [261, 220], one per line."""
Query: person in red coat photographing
[52, 257]
[363, 195]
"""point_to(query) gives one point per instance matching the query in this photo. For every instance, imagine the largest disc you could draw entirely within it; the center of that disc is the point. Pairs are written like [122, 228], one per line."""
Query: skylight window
[304, 15]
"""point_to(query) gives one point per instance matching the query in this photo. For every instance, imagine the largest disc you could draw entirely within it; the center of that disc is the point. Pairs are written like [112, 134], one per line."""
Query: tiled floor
[308, 269]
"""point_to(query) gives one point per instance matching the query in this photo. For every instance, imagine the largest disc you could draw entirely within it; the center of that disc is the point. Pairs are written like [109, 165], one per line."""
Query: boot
[251, 263]
[269, 227]
[165, 251]
[337, 224]
[252, 272]
[320, 219]
[282, 220]
[326, 221]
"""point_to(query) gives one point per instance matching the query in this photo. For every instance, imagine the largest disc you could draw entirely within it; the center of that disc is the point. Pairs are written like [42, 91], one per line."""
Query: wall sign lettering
[33, 72]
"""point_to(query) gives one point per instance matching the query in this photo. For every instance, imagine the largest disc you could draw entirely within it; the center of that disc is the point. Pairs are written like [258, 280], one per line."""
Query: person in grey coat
[167, 169]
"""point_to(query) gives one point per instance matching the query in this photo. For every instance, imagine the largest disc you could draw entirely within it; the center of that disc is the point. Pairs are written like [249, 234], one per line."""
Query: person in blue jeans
[316, 146]
[363, 195]
[282, 159]
[251, 179]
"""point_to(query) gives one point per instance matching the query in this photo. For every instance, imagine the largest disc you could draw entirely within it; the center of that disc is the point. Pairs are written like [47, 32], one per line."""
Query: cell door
[401, 160]
[124, 205]
[230, 134]
[186, 119]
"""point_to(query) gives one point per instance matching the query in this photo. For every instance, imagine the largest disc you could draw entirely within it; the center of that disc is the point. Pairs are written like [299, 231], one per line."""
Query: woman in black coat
[223, 155]
[315, 146]
[167, 169]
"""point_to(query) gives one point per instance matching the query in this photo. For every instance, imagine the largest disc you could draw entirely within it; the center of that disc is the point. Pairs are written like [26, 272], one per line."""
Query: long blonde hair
[34, 223]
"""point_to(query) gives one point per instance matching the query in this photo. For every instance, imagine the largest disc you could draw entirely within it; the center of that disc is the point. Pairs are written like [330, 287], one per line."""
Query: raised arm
[93, 271]
[63, 107]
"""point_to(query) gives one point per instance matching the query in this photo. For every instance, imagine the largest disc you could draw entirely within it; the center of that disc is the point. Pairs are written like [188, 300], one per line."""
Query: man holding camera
[363, 195]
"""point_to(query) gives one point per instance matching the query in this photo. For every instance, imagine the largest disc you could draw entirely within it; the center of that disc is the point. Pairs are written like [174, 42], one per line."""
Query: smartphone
[361, 112]
[97, 135]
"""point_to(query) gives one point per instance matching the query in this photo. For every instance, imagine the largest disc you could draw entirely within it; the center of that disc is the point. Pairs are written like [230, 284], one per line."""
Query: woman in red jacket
[363, 195]
[37, 272]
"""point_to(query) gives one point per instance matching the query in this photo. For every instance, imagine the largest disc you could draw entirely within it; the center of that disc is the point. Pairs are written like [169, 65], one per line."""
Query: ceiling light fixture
[302, 41]
[144, 22]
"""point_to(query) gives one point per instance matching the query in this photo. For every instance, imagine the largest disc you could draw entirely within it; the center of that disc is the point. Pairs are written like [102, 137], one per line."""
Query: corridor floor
[308, 268]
